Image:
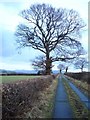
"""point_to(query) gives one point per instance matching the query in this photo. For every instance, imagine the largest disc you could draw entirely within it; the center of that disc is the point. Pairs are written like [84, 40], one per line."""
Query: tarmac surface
[85, 100]
[62, 108]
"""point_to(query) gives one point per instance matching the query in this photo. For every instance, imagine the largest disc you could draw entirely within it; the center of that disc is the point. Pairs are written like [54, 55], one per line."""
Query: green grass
[8, 79]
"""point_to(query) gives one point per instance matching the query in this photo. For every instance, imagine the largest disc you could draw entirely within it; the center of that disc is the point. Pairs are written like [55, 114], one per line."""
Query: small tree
[81, 63]
[66, 69]
[61, 67]
[67, 64]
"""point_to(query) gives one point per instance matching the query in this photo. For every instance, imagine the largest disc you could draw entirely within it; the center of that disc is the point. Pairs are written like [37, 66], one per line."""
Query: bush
[19, 96]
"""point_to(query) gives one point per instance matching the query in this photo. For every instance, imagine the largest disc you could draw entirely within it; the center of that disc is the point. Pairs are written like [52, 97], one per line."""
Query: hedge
[20, 96]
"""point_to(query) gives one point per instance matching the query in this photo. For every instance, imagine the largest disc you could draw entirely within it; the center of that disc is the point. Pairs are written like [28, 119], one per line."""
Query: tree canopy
[48, 30]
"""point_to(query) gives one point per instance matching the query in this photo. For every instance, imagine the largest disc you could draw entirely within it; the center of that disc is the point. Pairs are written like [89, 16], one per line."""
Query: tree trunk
[48, 60]
[48, 64]
[66, 69]
[60, 70]
[82, 68]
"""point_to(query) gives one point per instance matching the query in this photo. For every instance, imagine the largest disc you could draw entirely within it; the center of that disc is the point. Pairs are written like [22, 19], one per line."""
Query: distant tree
[81, 63]
[61, 67]
[65, 65]
[46, 28]
[66, 69]
[68, 63]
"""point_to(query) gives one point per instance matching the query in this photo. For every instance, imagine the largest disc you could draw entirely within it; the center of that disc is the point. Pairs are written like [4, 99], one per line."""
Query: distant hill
[2, 71]
[26, 71]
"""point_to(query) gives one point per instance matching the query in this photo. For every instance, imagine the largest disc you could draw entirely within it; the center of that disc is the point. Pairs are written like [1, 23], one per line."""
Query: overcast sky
[10, 57]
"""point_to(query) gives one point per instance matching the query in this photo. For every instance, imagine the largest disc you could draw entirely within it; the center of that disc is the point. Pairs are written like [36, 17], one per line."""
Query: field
[8, 79]
[28, 98]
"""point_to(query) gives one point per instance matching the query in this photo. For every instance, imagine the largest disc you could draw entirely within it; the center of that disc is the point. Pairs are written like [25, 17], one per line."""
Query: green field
[8, 79]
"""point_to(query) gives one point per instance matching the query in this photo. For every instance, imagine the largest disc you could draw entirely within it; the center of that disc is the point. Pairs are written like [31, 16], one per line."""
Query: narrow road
[62, 108]
[85, 100]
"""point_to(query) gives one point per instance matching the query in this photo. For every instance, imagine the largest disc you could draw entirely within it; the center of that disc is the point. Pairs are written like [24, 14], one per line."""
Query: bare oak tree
[46, 29]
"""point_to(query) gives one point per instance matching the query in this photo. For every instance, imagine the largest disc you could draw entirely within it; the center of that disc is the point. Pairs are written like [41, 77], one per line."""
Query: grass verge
[83, 86]
[79, 110]
[43, 108]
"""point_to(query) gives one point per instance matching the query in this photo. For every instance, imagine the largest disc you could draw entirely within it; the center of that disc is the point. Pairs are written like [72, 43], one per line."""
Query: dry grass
[79, 110]
[44, 106]
[82, 85]
[31, 96]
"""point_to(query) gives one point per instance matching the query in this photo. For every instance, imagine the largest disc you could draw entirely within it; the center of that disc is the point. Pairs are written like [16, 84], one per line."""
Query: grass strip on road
[80, 111]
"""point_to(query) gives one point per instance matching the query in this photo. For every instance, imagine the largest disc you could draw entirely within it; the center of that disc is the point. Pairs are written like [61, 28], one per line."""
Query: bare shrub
[19, 96]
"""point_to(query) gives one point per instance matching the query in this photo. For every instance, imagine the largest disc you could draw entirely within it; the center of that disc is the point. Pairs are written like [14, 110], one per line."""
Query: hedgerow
[17, 97]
